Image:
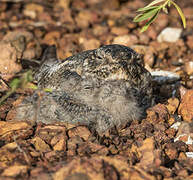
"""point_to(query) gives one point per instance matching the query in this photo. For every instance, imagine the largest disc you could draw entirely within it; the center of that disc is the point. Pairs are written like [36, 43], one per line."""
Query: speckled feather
[100, 88]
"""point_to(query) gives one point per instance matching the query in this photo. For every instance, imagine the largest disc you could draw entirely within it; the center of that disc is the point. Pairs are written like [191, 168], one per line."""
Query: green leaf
[165, 10]
[33, 86]
[169, 3]
[26, 78]
[145, 27]
[18, 83]
[136, 17]
[15, 83]
[147, 8]
[154, 2]
[180, 13]
[146, 15]
[48, 90]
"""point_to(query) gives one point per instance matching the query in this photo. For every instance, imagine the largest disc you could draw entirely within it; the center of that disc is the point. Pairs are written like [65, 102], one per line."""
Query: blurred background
[77, 25]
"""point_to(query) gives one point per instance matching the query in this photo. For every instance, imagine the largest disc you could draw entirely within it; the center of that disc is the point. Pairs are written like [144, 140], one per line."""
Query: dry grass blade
[180, 13]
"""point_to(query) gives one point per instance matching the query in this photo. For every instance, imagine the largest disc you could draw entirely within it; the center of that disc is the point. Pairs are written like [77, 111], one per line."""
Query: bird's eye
[87, 87]
[99, 57]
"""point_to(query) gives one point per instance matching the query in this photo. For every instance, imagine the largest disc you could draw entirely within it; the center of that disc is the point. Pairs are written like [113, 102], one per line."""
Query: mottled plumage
[100, 88]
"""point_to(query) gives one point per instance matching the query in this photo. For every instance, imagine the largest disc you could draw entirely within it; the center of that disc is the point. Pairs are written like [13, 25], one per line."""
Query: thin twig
[21, 150]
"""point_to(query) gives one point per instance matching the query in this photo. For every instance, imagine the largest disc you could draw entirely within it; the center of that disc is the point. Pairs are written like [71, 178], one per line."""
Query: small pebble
[189, 67]
[169, 35]
[189, 154]
[164, 76]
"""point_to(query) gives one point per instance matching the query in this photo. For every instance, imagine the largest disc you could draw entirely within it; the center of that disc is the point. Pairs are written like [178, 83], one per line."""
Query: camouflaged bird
[100, 88]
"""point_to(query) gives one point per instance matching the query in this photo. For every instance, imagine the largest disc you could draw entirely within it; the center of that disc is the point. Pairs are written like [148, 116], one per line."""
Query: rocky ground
[158, 147]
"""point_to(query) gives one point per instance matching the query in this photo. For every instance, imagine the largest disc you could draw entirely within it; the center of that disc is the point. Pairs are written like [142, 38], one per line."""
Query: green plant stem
[3, 98]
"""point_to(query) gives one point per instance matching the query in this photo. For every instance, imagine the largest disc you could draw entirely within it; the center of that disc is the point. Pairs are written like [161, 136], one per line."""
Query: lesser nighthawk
[101, 88]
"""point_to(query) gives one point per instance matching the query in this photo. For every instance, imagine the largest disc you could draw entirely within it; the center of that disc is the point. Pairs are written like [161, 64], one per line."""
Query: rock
[10, 146]
[144, 38]
[182, 91]
[167, 173]
[68, 46]
[176, 125]
[60, 145]
[65, 17]
[171, 132]
[185, 134]
[31, 10]
[111, 22]
[41, 174]
[52, 134]
[84, 18]
[113, 167]
[77, 176]
[126, 40]
[149, 154]
[110, 4]
[80, 131]
[171, 120]
[185, 109]
[171, 152]
[11, 130]
[8, 61]
[15, 170]
[6, 127]
[73, 144]
[8, 154]
[189, 154]
[148, 53]
[162, 22]
[59, 140]
[189, 82]
[119, 31]
[64, 4]
[182, 156]
[14, 35]
[157, 114]
[79, 4]
[40, 145]
[183, 173]
[79, 168]
[3, 6]
[99, 30]
[190, 41]
[152, 33]
[44, 17]
[173, 104]
[12, 113]
[140, 174]
[15, 46]
[113, 150]
[186, 138]
[89, 44]
[164, 76]
[97, 148]
[51, 37]
[29, 54]
[169, 35]
[174, 53]
[189, 67]
[33, 51]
